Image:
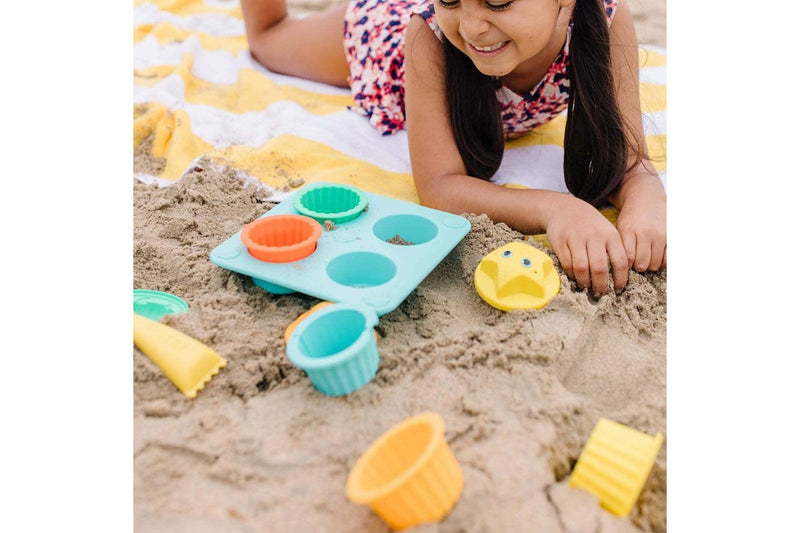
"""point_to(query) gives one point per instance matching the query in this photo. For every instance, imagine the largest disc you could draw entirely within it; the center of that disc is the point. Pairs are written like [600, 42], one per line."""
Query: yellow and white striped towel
[198, 92]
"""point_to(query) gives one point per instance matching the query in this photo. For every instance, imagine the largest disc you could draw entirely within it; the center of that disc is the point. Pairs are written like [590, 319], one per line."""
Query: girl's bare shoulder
[423, 48]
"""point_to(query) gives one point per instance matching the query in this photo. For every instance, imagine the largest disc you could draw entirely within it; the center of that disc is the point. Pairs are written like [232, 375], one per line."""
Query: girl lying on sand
[461, 76]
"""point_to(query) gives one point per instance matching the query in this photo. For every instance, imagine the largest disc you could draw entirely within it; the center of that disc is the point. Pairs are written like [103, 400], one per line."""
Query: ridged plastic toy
[187, 362]
[291, 327]
[336, 203]
[374, 250]
[614, 465]
[335, 345]
[409, 475]
[155, 304]
[281, 239]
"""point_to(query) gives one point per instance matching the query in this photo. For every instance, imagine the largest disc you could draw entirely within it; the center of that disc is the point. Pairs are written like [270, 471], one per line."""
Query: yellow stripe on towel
[150, 76]
[657, 151]
[191, 7]
[166, 33]
[651, 58]
[653, 98]
[288, 157]
[277, 162]
[255, 92]
[251, 92]
[171, 138]
[553, 133]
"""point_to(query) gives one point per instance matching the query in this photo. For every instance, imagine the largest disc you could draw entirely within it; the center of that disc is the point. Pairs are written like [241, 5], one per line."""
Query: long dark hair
[595, 145]
[474, 114]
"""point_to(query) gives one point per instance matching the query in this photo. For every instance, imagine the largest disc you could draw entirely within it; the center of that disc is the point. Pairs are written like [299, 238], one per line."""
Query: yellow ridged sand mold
[615, 464]
[187, 362]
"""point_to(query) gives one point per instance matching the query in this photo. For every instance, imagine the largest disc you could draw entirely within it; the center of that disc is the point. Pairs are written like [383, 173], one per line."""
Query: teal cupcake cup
[336, 203]
[336, 347]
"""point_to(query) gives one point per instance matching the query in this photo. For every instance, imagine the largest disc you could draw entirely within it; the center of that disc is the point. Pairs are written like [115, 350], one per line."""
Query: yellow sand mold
[614, 465]
[517, 276]
[187, 362]
[409, 475]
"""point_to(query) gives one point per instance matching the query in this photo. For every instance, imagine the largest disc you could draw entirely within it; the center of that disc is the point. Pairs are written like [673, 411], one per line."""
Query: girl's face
[500, 36]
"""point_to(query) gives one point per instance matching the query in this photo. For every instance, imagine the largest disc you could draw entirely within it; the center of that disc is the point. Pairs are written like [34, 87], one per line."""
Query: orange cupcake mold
[281, 238]
[409, 475]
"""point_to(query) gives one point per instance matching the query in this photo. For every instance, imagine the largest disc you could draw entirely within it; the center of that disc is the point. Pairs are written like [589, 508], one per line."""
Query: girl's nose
[472, 24]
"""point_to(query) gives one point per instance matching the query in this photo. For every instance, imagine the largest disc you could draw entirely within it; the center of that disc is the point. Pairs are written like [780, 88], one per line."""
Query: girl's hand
[640, 197]
[642, 224]
[585, 243]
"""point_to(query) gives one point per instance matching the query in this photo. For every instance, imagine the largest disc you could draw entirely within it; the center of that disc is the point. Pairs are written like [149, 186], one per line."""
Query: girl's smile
[489, 51]
[516, 41]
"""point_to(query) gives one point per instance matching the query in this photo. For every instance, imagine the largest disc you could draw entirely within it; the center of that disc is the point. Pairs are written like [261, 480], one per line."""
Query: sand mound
[261, 450]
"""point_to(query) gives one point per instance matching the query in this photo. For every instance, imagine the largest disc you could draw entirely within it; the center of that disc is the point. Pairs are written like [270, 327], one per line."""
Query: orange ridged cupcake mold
[409, 475]
[330, 202]
[281, 238]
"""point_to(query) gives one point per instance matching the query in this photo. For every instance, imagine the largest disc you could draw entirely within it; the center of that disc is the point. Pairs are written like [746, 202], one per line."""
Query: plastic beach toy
[187, 362]
[291, 327]
[517, 276]
[287, 333]
[409, 475]
[336, 347]
[335, 202]
[614, 465]
[282, 238]
[155, 304]
[375, 259]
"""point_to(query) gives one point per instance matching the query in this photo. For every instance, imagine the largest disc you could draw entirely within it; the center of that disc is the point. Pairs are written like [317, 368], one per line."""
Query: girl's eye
[493, 7]
[499, 7]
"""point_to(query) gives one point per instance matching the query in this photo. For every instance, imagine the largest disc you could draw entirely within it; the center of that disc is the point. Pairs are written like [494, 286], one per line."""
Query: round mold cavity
[337, 203]
[405, 229]
[332, 333]
[361, 269]
[281, 238]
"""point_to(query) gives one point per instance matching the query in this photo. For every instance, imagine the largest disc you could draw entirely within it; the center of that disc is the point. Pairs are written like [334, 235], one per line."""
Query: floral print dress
[374, 41]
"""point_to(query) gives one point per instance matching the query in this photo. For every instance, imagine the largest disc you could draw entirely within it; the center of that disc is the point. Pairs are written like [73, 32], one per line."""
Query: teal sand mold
[375, 259]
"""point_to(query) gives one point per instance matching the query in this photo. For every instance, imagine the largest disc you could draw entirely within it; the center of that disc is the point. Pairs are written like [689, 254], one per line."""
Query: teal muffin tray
[375, 257]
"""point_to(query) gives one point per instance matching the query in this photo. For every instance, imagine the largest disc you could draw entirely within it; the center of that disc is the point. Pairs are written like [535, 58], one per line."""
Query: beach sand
[260, 449]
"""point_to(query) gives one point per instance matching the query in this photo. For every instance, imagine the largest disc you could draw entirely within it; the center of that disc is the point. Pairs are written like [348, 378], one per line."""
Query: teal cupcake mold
[336, 347]
[336, 203]
[375, 259]
[155, 304]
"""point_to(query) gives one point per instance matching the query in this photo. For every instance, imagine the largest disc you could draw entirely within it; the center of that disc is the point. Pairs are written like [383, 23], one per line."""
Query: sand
[260, 449]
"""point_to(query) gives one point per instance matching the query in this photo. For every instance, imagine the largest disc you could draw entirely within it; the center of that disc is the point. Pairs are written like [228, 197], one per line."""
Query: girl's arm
[642, 222]
[584, 241]
[311, 47]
